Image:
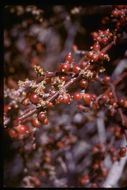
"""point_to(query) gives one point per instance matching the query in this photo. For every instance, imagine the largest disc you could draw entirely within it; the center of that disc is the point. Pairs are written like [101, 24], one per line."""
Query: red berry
[49, 104]
[35, 122]
[59, 100]
[64, 67]
[95, 57]
[66, 99]
[115, 12]
[76, 68]
[90, 54]
[41, 116]
[87, 99]
[83, 84]
[123, 102]
[45, 121]
[34, 98]
[80, 107]
[64, 78]
[106, 79]
[110, 94]
[77, 96]
[22, 129]
[68, 57]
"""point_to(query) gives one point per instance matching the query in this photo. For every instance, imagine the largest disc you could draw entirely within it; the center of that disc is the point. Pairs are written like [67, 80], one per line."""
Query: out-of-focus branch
[116, 171]
[101, 127]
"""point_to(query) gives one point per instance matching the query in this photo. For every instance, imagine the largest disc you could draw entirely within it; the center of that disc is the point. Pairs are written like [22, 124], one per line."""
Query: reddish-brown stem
[66, 86]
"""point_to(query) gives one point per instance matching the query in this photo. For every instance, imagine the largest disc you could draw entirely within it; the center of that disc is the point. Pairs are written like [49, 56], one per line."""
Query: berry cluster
[102, 36]
[27, 108]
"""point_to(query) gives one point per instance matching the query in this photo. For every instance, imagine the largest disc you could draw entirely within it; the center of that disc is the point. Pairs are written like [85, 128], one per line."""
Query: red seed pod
[22, 129]
[87, 98]
[46, 121]
[110, 94]
[76, 68]
[90, 54]
[77, 96]
[123, 151]
[121, 102]
[80, 107]
[83, 83]
[103, 99]
[116, 12]
[68, 57]
[35, 122]
[124, 103]
[63, 78]
[95, 57]
[34, 98]
[64, 67]
[59, 100]
[106, 79]
[41, 116]
[66, 99]
[102, 55]
[49, 104]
